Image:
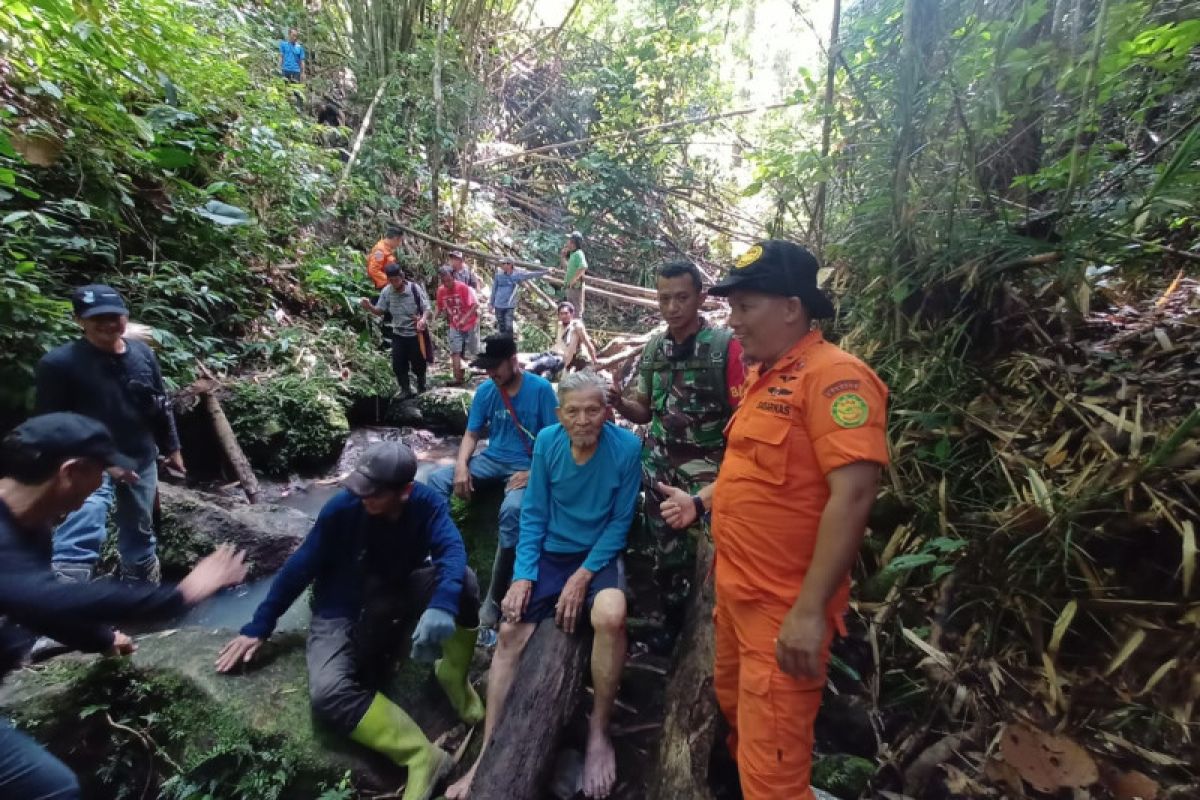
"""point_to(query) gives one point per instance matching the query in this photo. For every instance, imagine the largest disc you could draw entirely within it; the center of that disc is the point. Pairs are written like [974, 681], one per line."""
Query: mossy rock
[843, 775]
[445, 408]
[193, 525]
[248, 735]
[287, 423]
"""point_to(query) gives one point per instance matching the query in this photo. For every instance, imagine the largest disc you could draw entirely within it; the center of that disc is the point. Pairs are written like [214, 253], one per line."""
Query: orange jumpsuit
[816, 409]
[378, 259]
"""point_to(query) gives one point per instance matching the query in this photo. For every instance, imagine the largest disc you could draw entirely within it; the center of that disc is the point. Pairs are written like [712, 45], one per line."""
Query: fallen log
[520, 758]
[690, 726]
[231, 448]
[625, 298]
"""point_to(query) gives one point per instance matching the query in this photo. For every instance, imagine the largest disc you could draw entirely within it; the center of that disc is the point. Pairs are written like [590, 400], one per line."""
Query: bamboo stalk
[358, 140]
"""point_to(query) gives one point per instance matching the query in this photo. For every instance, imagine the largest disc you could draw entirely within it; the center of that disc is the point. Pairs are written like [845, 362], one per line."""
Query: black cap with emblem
[774, 266]
[96, 299]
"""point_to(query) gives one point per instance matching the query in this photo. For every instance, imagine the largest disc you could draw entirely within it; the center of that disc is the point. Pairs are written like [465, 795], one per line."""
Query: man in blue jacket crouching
[368, 559]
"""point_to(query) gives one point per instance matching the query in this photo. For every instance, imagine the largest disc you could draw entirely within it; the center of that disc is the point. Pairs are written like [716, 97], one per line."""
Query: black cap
[55, 438]
[778, 267]
[88, 301]
[385, 465]
[497, 349]
[392, 270]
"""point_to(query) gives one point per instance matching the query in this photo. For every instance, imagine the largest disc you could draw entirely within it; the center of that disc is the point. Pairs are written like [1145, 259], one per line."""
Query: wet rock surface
[194, 524]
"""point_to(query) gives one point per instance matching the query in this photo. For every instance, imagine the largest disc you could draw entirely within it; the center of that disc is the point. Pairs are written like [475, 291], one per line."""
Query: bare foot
[599, 765]
[461, 788]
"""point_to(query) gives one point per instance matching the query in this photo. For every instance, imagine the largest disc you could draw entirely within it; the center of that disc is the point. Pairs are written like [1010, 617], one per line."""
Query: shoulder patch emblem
[849, 410]
[839, 387]
[749, 257]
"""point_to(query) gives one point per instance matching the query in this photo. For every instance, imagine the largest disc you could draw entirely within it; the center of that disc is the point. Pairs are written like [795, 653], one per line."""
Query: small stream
[232, 608]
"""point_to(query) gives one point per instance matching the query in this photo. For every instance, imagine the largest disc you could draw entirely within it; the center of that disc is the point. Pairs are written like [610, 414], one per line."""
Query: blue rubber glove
[434, 627]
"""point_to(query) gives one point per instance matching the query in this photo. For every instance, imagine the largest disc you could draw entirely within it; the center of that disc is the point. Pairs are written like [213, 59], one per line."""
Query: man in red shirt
[457, 301]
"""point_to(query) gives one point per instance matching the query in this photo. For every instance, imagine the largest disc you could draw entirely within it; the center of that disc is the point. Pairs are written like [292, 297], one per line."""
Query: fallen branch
[521, 754]
[358, 140]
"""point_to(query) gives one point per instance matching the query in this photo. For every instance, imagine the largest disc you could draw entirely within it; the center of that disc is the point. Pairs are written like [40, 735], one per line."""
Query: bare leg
[608, 657]
[456, 363]
[513, 638]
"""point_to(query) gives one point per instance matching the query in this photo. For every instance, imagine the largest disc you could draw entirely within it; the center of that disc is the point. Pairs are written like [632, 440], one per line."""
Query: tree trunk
[518, 762]
[817, 227]
[231, 448]
[690, 726]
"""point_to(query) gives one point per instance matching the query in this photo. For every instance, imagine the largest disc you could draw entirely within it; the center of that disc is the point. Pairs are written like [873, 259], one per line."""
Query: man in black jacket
[49, 466]
[117, 381]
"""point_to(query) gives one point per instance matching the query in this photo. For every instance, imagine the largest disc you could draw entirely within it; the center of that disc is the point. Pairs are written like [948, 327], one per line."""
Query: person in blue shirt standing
[292, 57]
[504, 293]
[510, 409]
[366, 557]
[583, 485]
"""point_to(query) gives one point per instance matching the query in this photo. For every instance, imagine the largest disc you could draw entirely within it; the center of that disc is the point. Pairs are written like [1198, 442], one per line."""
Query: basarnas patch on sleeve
[749, 257]
[849, 410]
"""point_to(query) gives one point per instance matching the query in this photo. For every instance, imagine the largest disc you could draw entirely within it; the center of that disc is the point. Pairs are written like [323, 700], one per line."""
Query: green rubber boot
[451, 671]
[386, 729]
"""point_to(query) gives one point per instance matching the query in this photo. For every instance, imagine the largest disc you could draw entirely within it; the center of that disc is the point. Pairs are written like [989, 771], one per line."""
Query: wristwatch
[700, 509]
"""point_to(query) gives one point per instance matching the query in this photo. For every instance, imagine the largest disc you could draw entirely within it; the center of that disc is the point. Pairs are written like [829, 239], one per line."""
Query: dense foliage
[149, 146]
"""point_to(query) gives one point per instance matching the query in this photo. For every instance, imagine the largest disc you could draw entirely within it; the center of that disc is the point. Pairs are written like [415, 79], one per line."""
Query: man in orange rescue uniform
[383, 255]
[790, 505]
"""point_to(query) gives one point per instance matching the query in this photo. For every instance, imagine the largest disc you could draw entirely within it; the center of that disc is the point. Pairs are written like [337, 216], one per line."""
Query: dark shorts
[555, 569]
[290, 77]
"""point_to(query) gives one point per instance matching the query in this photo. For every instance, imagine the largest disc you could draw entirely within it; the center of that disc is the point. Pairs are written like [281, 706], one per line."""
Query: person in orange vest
[789, 510]
[382, 255]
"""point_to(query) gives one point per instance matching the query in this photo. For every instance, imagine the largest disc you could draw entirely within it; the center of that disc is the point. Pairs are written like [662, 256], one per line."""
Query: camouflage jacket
[689, 406]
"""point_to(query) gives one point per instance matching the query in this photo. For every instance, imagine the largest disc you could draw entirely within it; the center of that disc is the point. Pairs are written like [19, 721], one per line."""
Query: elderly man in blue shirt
[510, 409]
[575, 517]
[504, 292]
[368, 557]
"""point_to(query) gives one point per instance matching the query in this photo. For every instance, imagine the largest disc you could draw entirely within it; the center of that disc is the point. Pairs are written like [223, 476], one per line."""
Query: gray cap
[385, 465]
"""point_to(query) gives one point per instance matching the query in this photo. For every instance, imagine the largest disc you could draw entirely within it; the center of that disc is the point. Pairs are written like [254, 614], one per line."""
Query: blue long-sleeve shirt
[348, 550]
[572, 508]
[504, 288]
[33, 602]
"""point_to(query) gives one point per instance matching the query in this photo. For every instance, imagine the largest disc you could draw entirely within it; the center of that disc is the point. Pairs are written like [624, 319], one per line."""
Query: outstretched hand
[238, 651]
[223, 567]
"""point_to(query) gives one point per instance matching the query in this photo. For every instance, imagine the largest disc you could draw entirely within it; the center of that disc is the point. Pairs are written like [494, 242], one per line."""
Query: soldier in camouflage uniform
[686, 389]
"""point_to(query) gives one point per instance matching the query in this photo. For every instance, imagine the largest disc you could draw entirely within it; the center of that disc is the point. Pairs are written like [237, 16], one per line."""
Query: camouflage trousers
[674, 550]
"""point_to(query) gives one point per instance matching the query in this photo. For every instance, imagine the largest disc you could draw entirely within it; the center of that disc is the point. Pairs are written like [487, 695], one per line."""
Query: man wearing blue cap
[117, 381]
[48, 466]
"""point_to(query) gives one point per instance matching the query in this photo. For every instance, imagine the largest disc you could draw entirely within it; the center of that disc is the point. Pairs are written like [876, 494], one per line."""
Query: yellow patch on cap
[850, 410]
[749, 257]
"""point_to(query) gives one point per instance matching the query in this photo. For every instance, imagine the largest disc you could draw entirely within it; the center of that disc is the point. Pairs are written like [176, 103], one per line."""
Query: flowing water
[232, 608]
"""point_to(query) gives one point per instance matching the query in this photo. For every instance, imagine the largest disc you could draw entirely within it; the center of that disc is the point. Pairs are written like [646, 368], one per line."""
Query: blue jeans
[504, 320]
[487, 472]
[29, 772]
[81, 535]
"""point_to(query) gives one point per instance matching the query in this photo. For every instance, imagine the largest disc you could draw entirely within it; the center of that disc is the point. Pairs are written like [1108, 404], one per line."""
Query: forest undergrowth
[1004, 194]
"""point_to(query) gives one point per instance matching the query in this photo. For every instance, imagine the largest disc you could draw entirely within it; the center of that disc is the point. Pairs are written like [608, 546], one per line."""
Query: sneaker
[146, 571]
[487, 639]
